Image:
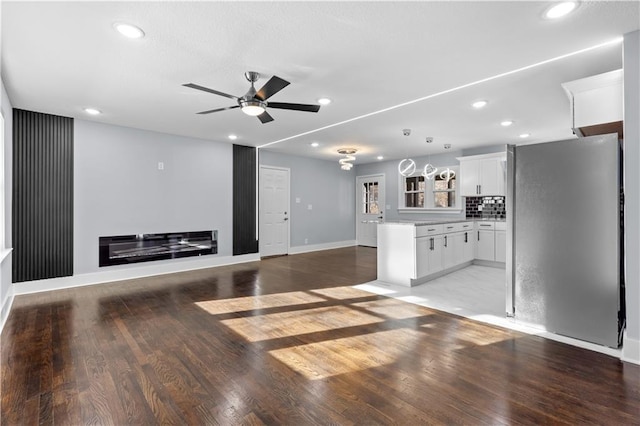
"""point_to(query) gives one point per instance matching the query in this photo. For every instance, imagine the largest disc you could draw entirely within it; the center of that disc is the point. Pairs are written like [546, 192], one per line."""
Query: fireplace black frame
[126, 249]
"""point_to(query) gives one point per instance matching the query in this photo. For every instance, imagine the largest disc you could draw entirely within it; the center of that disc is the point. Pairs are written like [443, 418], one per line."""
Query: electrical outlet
[306, 241]
[298, 200]
[160, 165]
[309, 207]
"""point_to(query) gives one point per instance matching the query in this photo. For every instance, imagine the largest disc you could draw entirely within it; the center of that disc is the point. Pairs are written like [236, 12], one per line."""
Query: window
[370, 198]
[437, 194]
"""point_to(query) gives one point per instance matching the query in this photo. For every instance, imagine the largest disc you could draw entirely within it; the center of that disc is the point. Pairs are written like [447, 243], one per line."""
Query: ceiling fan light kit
[254, 103]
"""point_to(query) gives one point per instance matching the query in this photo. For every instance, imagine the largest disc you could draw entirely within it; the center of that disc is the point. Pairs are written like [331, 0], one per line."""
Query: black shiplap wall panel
[42, 196]
[245, 240]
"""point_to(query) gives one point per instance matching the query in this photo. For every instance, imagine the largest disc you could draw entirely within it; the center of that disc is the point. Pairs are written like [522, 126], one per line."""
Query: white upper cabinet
[483, 174]
[596, 104]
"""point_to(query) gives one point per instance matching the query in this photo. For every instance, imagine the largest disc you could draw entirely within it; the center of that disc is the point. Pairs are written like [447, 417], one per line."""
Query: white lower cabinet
[469, 248]
[491, 241]
[410, 255]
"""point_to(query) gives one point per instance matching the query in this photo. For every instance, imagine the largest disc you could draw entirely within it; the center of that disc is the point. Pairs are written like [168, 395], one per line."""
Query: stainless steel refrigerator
[564, 226]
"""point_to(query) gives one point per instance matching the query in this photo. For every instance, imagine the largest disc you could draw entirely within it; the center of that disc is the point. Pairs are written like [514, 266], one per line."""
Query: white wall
[631, 349]
[119, 189]
[331, 192]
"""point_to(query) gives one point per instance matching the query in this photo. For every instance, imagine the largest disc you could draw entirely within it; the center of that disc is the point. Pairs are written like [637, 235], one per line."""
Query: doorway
[369, 209]
[274, 211]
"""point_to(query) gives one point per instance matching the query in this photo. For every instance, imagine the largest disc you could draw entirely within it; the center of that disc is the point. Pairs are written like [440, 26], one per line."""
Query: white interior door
[274, 211]
[370, 209]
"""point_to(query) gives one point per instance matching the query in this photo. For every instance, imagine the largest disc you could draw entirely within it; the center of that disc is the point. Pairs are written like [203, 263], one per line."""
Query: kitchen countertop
[439, 222]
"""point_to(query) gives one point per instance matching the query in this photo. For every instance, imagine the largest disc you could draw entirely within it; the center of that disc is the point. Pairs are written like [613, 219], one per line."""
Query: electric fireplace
[124, 249]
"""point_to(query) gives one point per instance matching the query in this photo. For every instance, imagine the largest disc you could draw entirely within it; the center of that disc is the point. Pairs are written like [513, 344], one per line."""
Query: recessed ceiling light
[324, 101]
[233, 137]
[525, 135]
[479, 104]
[315, 144]
[380, 157]
[561, 9]
[92, 111]
[128, 30]
[506, 123]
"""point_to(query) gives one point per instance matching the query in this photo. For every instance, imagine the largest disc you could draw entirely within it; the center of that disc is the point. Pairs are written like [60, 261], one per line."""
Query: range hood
[596, 104]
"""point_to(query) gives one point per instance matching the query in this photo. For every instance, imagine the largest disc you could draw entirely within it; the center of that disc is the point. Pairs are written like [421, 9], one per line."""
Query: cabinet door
[492, 177]
[435, 253]
[485, 244]
[501, 246]
[453, 249]
[469, 177]
[468, 250]
[422, 257]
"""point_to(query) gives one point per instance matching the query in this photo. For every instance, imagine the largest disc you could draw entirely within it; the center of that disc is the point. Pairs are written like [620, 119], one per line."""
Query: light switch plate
[309, 207]
[297, 200]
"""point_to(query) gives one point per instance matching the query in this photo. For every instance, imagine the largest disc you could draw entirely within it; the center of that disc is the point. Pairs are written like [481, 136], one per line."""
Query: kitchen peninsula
[412, 253]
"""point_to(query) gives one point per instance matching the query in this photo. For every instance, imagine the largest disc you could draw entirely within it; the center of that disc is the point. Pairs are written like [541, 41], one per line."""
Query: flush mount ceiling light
[128, 30]
[92, 111]
[324, 101]
[233, 137]
[525, 135]
[380, 157]
[345, 163]
[560, 9]
[506, 123]
[315, 144]
[479, 104]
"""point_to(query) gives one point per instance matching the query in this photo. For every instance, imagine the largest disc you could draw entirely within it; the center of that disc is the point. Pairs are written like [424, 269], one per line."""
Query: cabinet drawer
[485, 225]
[501, 226]
[452, 227]
[424, 230]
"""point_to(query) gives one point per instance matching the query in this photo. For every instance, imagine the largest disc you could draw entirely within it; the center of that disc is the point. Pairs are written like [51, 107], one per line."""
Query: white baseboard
[6, 306]
[630, 349]
[319, 247]
[79, 280]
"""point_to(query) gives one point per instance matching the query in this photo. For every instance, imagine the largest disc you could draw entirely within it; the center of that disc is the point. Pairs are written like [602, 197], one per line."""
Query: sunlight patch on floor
[249, 303]
[285, 324]
[346, 355]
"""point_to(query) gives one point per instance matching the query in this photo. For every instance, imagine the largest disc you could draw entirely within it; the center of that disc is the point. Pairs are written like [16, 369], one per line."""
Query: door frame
[357, 208]
[260, 218]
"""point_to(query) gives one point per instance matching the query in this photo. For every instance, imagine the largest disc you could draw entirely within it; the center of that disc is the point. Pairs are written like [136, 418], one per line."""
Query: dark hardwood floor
[287, 341]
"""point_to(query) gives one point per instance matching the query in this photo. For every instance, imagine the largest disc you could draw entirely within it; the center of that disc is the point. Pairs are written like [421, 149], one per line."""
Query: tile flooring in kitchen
[475, 292]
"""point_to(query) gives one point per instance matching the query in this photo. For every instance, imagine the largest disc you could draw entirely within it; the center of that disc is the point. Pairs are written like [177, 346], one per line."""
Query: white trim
[4, 253]
[499, 154]
[630, 349]
[203, 262]
[320, 247]
[6, 306]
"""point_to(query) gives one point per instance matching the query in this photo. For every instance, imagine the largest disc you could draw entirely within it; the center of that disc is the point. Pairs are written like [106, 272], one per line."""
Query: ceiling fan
[255, 102]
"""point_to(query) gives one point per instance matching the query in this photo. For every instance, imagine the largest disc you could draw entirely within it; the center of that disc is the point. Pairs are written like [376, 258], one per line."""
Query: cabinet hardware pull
[430, 243]
[478, 235]
[465, 238]
[445, 240]
[484, 225]
[431, 229]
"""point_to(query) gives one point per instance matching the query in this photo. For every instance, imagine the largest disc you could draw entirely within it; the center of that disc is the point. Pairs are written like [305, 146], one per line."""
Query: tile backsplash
[485, 207]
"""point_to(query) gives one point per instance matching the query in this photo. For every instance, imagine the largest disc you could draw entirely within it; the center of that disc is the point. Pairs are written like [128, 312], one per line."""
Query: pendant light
[345, 163]
[406, 167]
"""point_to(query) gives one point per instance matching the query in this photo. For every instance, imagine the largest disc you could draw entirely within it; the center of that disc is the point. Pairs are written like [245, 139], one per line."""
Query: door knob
[286, 218]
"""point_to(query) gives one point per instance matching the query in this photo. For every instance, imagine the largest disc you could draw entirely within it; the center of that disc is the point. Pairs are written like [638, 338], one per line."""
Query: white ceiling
[60, 57]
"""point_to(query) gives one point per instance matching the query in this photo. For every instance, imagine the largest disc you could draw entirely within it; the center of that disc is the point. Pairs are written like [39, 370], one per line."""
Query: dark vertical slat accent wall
[42, 196]
[245, 239]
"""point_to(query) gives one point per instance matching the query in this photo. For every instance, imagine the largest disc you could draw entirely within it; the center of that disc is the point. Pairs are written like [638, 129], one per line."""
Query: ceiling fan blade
[295, 107]
[265, 117]
[206, 89]
[218, 109]
[273, 86]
